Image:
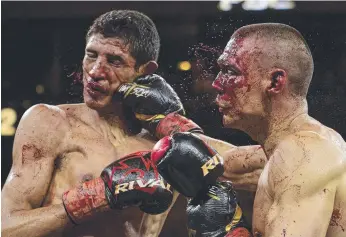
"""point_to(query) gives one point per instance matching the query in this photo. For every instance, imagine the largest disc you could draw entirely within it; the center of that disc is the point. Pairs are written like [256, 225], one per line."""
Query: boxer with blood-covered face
[265, 74]
[69, 160]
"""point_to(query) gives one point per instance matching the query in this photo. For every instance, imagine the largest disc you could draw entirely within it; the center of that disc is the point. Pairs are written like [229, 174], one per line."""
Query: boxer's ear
[278, 81]
[148, 68]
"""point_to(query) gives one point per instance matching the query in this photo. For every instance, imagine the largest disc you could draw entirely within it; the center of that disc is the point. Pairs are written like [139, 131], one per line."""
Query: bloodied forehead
[231, 50]
[238, 49]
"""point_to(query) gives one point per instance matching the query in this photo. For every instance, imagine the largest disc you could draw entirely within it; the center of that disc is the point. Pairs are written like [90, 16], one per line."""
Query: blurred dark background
[43, 45]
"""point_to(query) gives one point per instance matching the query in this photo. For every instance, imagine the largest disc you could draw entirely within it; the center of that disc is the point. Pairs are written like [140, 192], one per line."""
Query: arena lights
[184, 65]
[257, 5]
[39, 89]
[224, 5]
[8, 119]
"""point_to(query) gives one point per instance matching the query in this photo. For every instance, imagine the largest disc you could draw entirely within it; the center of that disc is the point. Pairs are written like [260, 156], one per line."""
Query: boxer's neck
[112, 122]
[286, 123]
[282, 120]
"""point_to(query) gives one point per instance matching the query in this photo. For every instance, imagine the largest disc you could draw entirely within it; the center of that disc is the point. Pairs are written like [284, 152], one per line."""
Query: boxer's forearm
[220, 146]
[243, 165]
[247, 181]
[151, 225]
[45, 221]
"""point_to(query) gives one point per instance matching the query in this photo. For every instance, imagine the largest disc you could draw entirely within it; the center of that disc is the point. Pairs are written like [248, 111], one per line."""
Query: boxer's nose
[98, 70]
[217, 83]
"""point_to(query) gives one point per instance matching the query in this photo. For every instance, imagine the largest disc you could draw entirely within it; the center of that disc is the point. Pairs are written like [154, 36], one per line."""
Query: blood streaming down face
[240, 82]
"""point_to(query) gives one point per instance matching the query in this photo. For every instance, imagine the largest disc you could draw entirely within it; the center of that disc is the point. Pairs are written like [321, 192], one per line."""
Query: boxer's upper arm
[303, 175]
[38, 141]
[243, 166]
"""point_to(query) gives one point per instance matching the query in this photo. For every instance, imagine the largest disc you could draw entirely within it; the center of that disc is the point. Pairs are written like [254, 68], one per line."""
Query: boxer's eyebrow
[90, 50]
[115, 57]
[224, 66]
[220, 62]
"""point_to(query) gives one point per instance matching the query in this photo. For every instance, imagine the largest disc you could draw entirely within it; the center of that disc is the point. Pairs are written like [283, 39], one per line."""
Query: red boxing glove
[85, 200]
[239, 232]
[130, 181]
[173, 123]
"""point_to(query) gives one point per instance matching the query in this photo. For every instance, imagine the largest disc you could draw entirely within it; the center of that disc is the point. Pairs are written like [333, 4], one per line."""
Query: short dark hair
[137, 31]
[288, 50]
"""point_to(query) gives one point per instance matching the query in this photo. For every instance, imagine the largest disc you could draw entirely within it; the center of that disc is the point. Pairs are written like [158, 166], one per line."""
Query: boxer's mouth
[224, 110]
[223, 99]
[218, 87]
[223, 102]
[94, 86]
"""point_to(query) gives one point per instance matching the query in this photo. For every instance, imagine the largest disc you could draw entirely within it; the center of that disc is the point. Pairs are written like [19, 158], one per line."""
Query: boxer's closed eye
[91, 54]
[115, 60]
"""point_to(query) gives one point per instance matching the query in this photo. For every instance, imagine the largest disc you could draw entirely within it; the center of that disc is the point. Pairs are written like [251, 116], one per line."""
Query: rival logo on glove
[211, 164]
[137, 184]
[134, 89]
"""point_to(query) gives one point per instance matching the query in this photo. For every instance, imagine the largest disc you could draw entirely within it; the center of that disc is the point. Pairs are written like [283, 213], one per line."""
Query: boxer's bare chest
[265, 198]
[263, 202]
[88, 152]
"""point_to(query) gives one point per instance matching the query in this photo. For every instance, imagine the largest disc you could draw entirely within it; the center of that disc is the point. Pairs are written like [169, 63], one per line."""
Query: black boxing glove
[187, 163]
[156, 105]
[216, 213]
[130, 181]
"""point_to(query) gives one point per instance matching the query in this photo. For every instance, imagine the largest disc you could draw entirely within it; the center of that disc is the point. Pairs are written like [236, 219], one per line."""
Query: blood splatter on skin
[30, 153]
[240, 61]
[335, 219]
[336, 216]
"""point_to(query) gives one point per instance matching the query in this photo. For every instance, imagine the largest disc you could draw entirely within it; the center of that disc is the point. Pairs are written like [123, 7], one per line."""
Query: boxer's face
[238, 83]
[107, 64]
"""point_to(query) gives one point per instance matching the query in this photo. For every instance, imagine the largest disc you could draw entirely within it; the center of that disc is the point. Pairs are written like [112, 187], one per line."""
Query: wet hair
[285, 48]
[136, 30]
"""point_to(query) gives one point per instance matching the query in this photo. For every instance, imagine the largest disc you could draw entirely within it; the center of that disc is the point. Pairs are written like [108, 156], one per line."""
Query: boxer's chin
[230, 120]
[96, 103]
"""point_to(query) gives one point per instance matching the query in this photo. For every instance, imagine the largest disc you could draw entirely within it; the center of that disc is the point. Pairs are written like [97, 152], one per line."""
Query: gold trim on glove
[144, 117]
[236, 218]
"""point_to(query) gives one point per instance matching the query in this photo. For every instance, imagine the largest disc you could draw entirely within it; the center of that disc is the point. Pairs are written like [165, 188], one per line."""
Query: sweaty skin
[58, 147]
[302, 189]
[47, 164]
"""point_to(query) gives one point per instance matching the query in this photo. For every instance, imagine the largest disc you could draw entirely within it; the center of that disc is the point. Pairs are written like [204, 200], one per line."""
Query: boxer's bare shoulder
[302, 188]
[39, 139]
[59, 147]
[39, 121]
